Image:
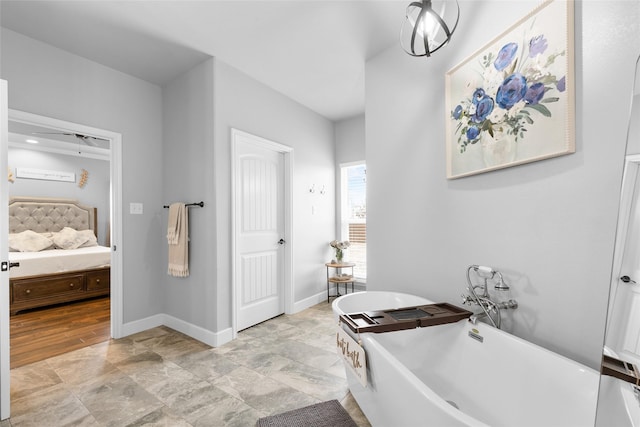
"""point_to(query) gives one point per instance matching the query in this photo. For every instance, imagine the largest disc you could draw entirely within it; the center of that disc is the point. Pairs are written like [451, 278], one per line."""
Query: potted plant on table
[339, 247]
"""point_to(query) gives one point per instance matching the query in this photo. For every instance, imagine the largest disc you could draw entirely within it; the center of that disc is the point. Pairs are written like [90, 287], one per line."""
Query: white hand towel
[178, 240]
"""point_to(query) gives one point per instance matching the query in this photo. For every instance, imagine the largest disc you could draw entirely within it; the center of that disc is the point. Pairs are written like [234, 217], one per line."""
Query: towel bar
[201, 204]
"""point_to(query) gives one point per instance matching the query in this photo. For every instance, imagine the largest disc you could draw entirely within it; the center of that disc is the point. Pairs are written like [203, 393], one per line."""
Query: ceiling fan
[87, 139]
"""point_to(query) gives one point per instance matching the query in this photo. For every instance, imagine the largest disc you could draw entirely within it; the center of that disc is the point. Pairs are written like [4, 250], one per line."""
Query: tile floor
[163, 378]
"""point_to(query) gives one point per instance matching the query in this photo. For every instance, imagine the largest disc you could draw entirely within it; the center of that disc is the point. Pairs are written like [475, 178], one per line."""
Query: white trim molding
[214, 339]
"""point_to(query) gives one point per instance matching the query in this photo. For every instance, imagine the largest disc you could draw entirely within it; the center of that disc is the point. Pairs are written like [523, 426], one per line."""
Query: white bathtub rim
[335, 305]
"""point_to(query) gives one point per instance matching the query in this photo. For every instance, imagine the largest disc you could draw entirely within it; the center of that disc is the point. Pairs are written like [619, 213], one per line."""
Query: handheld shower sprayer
[490, 272]
[484, 269]
[501, 286]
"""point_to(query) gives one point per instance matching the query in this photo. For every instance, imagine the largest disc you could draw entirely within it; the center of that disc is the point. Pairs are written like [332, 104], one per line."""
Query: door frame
[5, 375]
[238, 136]
[115, 214]
[628, 189]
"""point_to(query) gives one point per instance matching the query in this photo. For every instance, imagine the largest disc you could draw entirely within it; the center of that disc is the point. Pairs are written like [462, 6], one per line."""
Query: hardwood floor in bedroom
[42, 333]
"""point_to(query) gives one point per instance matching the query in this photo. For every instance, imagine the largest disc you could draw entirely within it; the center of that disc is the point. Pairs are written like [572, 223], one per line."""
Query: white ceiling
[312, 51]
[22, 135]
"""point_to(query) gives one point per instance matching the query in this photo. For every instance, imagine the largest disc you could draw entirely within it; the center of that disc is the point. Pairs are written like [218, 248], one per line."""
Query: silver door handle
[627, 279]
[6, 265]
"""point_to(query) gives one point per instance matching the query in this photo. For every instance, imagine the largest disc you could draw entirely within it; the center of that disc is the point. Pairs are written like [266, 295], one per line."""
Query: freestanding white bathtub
[461, 374]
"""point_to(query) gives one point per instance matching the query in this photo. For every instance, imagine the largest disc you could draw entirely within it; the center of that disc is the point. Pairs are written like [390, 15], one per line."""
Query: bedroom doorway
[90, 146]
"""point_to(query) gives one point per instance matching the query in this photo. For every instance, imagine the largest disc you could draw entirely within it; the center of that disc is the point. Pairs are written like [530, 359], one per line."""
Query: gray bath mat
[325, 414]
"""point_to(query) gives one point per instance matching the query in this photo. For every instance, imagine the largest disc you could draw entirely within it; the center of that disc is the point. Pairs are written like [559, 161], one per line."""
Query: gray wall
[351, 146]
[247, 105]
[51, 82]
[200, 108]
[172, 153]
[94, 193]
[548, 226]
[188, 165]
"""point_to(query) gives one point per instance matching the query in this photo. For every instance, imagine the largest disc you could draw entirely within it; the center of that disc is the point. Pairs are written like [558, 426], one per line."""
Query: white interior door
[259, 228]
[4, 258]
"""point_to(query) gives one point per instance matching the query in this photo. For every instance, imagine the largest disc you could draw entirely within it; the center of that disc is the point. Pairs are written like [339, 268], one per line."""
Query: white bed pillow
[29, 241]
[92, 240]
[68, 238]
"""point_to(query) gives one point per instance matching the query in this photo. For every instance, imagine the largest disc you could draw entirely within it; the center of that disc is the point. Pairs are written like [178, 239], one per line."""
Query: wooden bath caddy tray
[620, 369]
[404, 318]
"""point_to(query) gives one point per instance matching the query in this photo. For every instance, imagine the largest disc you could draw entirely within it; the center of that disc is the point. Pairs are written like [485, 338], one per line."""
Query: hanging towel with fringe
[178, 240]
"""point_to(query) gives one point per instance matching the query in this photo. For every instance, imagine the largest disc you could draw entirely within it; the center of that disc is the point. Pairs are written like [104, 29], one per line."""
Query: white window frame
[343, 228]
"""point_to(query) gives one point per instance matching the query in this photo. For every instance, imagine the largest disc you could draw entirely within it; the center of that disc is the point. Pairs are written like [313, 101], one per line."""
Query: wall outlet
[135, 208]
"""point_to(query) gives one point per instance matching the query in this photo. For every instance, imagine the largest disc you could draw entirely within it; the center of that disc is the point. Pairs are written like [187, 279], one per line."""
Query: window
[354, 215]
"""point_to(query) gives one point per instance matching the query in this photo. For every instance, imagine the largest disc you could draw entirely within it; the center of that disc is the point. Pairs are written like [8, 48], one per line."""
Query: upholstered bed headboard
[44, 215]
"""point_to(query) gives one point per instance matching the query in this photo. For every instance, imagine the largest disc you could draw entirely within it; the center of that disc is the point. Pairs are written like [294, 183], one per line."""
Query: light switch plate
[135, 208]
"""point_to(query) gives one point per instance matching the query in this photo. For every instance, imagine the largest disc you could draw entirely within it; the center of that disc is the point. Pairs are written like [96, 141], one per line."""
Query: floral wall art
[512, 101]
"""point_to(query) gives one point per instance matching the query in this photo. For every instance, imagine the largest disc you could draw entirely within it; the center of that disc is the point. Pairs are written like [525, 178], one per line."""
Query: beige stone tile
[307, 379]
[261, 392]
[350, 404]
[115, 351]
[149, 334]
[140, 362]
[305, 353]
[97, 381]
[53, 406]
[167, 380]
[80, 365]
[174, 344]
[118, 402]
[273, 326]
[323, 341]
[263, 362]
[205, 401]
[229, 412]
[32, 378]
[239, 350]
[207, 365]
[162, 417]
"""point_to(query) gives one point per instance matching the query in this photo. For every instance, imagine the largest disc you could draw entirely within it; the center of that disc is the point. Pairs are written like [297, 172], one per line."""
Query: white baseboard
[309, 302]
[136, 326]
[214, 339]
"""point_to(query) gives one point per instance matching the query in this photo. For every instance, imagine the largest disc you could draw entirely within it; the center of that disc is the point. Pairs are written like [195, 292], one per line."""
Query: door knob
[281, 242]
[6, 265]
[627, 279]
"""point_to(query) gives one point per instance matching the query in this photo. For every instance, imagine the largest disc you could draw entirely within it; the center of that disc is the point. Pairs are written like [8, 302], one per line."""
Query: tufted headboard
[43, 215]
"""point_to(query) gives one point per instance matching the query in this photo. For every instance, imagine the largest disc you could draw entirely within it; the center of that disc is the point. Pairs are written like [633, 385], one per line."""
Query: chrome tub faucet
[484, 299]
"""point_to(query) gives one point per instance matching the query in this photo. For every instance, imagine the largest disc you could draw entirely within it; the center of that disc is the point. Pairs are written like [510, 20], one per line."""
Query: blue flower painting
[514, 88]
[520, 96]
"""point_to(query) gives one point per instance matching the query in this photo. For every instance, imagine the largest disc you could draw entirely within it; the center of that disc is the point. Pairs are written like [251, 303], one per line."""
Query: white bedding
[59, 260]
